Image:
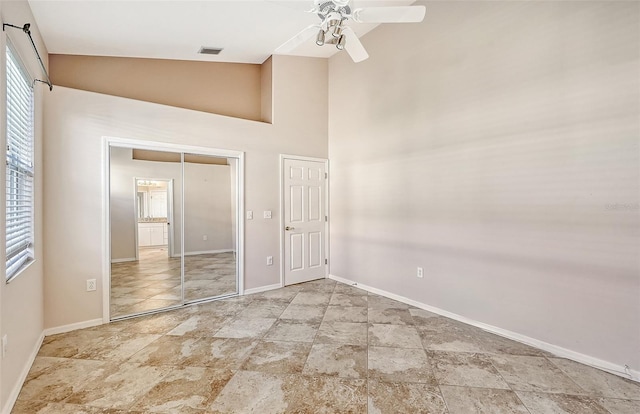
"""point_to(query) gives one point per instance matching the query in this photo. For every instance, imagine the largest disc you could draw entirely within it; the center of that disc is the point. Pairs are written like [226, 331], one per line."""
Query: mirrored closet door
[173, 229]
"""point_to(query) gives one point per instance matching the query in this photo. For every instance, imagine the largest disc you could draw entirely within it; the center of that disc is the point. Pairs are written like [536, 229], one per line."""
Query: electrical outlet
[205, 237]
[5, 342]
[249, 215]
[91, 285]
[269, 260]
[420, 272]
[267, 214]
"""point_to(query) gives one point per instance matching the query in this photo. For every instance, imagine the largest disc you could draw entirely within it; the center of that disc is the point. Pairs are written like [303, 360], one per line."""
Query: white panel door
[304, 190]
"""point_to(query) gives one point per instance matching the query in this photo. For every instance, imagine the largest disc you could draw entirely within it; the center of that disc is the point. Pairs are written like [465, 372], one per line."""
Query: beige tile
[349, 290]
[421, 316]
[278, 357]
[462, 400]
[328, 395]
[356, 314]
[443, 334]
[341, 360]
[252, 392]
[284, 295]
[320, 285]
[184, 390]
[245, 328]
[263, 309]
[42, 364]
[39, 407]
[119, 386]
[390, 316]
[311, 298]
[616, 406]
[70, 344]
[342, 332]
[55, 385]
[397, 336]
[525, 373]
[159, 323]
[200, 325]
[288, 330]
[168, 350]
[259, 392]
[306, 313]
[540, 403]
[597, 382]
[341, 299]
[399, 365]
[380, 302]
[467, 370]
[117, 346]
[397, 397]
[221, 353]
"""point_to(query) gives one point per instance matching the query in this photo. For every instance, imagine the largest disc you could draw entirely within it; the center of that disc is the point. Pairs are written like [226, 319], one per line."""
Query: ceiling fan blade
[298, 39]
[405, 14]
[353, 46]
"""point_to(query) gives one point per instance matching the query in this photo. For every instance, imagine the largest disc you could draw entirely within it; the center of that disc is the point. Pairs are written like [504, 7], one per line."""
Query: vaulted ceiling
[249, 31]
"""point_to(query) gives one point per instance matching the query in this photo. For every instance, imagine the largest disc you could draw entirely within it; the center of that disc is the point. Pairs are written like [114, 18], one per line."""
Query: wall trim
[72, 327]
[126, 259]
[208, 252]
[558, 351]
[15, 391]
[262, 289]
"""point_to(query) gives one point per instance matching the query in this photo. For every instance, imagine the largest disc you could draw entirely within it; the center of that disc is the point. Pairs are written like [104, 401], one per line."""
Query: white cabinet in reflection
[152, 234]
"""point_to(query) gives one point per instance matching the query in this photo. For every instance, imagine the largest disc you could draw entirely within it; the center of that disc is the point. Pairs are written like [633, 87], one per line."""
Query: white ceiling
[248, 30]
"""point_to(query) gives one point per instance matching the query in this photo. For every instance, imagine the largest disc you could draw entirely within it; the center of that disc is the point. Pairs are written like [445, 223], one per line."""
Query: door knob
[289, 228]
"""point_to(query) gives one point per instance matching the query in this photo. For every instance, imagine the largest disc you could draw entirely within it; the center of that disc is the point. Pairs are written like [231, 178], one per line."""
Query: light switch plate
[267, 214]
[249, 215]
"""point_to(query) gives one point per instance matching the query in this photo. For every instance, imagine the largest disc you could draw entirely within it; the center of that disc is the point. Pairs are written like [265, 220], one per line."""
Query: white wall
[21, 301]
[75, 123]
[497, 146]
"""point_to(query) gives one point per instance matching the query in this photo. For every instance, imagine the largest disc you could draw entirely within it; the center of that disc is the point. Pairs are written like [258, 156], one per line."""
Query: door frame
[110, 141]
[325, 161]
[170, 201]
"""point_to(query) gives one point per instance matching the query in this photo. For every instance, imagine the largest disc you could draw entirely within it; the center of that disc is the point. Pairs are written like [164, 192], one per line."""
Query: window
[19, 212]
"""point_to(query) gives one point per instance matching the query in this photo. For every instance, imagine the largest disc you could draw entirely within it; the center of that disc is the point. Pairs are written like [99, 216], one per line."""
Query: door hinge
[326, 175]
[326, 218]
[326, 261]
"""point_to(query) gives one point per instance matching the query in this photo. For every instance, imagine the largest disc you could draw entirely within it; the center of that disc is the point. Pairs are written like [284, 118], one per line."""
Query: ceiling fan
[333, 30]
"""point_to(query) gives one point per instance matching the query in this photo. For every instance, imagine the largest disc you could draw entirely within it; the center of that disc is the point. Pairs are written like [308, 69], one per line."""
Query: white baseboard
[72, 327]
[545, 346]
[262, 289]
[208, 252]
[126, 259]
[15, 391]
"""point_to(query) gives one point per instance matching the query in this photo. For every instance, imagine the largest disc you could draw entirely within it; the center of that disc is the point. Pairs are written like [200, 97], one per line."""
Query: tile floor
[318, 347]
[153, 282]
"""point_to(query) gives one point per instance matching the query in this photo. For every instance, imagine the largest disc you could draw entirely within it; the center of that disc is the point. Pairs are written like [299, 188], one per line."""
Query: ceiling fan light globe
[320, 38]
[341, 42]
[337, 32]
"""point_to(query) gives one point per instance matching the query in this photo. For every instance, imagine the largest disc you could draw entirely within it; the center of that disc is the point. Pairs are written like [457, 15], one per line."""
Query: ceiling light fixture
[341, 42]
[320, 38]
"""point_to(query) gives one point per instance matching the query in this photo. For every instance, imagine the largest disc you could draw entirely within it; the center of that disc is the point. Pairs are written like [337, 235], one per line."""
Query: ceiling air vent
[210, 50]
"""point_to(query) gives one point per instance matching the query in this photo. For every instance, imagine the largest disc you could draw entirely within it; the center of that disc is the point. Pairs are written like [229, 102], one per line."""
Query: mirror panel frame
[109, 142]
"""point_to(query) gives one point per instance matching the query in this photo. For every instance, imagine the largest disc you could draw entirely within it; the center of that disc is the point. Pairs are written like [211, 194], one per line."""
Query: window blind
[19, 185]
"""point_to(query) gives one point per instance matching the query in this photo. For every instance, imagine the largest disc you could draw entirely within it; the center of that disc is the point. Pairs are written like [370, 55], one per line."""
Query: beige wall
[21, 301]
[77, 120]
[231, 89]
[207, 208]
[123, 169]
[497, 146]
